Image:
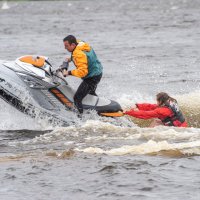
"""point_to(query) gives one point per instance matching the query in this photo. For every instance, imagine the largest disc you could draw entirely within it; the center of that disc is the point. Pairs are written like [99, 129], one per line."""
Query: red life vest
[177, 118]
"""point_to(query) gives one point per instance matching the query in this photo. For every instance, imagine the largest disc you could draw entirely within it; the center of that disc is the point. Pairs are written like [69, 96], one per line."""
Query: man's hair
[71, 39]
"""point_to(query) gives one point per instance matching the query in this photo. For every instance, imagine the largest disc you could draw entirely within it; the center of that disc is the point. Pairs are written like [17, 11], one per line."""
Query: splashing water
[189, 104]
[5, 5]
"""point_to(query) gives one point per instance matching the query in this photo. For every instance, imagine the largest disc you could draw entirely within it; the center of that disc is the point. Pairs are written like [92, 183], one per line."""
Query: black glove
[64, 65]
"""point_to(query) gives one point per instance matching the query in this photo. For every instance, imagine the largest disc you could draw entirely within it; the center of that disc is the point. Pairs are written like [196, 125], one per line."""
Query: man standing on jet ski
[88, 68]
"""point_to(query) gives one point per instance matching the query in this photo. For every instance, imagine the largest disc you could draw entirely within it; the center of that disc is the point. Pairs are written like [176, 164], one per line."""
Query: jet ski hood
[34, 62]
[37, 61]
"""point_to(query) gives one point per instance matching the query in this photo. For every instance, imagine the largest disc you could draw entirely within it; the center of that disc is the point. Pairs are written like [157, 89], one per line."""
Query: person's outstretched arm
[156, 113]
[146, 106]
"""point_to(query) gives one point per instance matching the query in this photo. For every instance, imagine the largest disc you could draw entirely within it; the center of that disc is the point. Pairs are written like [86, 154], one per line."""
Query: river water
[145, 47]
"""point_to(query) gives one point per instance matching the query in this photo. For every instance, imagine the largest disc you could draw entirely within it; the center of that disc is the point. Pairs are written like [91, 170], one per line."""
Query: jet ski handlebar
[64, 66]
[58, 72]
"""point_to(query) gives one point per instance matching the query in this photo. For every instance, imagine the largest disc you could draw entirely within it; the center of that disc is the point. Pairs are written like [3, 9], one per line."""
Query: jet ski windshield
[47, 67]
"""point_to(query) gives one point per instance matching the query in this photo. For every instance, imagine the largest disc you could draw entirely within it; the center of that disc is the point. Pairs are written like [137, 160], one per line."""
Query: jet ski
[31, 86]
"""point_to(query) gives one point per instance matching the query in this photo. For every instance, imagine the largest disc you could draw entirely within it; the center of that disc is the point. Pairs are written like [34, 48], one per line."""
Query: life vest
[177, 118]
[94, 65]
[93, 68]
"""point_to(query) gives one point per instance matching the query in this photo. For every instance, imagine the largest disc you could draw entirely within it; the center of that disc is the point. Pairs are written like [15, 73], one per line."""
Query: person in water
[166, 110]
[88, 68]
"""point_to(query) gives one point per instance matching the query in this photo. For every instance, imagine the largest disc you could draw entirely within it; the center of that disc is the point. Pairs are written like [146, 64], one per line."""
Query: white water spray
[5, 5]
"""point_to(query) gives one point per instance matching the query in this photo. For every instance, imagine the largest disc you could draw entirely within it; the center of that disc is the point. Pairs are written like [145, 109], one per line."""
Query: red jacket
[148, 111]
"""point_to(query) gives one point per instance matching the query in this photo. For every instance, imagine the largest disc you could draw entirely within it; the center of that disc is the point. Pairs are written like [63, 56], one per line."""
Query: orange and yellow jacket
[86, 61]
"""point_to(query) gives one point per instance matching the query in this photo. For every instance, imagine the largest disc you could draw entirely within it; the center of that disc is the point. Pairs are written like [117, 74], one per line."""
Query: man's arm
[81, 63]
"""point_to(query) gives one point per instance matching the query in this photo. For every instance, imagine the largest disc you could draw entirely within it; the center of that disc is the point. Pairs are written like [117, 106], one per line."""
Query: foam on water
[153, 141]
[150, 147]
[103, 137]
[190, 104]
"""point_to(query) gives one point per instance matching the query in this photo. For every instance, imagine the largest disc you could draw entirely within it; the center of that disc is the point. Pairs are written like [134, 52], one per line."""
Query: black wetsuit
[88, 86]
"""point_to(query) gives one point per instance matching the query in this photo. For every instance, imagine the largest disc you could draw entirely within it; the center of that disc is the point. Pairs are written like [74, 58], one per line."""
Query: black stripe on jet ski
[12, 101]
[28, 109]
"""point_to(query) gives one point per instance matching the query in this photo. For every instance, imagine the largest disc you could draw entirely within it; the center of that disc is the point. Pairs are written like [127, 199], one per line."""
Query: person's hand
[125, 112]
[134, 107]
[67, 59]
[65, 73]
[129, 109]
[64, 65]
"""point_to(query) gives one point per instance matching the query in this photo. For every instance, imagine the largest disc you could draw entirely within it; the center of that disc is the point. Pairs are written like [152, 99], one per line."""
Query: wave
[97, 137]
[151, 148]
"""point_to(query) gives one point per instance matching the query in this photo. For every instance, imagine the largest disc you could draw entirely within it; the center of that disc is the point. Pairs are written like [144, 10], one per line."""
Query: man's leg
[81, 92]
[88, 86]
[93, 82]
